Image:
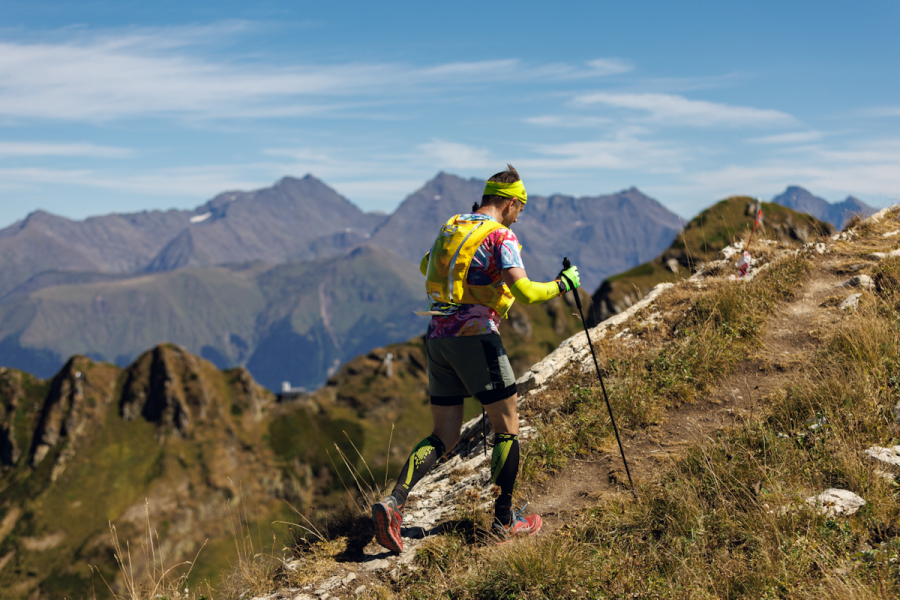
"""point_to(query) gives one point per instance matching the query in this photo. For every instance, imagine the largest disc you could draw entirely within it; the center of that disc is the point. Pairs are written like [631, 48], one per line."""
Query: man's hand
[570, 278]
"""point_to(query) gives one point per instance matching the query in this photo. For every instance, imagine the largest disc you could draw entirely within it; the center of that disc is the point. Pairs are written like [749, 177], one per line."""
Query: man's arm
[532, 292]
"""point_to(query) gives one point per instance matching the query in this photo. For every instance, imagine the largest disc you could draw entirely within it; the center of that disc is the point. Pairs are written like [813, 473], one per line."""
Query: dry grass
[704, 334]
[730, 519]
[157, 580]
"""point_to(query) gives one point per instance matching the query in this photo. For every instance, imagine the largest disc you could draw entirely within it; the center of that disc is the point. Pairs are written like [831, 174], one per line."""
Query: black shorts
[473, 365]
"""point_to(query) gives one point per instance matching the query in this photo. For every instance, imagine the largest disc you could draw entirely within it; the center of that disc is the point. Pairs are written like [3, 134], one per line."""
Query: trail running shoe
[387, 517]
[518, 526]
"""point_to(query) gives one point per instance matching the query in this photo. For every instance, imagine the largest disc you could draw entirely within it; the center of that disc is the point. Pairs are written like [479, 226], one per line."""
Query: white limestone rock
[379, 564]
[881, 214]
[815, 247]
[851, 303]
[834, 502]
[884, 255]
[887, 458]
[329, 584]
[858, 281]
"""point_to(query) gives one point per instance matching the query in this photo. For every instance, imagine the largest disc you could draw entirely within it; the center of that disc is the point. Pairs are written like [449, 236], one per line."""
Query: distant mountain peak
[838, 213]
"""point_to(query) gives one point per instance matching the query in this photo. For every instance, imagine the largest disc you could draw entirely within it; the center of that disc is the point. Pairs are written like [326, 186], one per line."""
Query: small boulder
[883, 255]
[378, 564]
[834, 502]
[885, 457]
[851, 303]
[672, 265]
[858, 281]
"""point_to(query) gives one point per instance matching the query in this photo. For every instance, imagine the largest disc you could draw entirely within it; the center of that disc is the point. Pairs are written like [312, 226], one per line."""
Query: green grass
[676, 363]
[729, 519]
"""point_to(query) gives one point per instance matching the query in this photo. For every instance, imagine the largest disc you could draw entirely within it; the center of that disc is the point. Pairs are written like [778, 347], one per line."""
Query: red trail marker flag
[744, 262]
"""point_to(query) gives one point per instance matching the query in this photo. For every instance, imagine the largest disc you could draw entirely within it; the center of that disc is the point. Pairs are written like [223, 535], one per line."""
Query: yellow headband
[507, 190]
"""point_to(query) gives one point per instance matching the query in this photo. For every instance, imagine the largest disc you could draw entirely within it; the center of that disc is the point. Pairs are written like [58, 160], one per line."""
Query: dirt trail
[789, 337]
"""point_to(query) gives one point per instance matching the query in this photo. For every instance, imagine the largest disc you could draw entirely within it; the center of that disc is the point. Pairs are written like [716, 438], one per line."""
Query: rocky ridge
[700, 242]
[462, 479]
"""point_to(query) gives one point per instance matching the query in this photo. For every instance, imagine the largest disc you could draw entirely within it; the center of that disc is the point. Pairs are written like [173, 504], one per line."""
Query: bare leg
[447, 424]
[504, 415]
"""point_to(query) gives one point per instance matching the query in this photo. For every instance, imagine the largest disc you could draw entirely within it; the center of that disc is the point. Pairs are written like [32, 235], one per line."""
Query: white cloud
[34, 149]
[870, 170]
[157, 73]
[609, 66]
[200, 182]
[567, 121]
[671, 109]
[453, 155]
[799, 137]
[883, 111]
[624, 151]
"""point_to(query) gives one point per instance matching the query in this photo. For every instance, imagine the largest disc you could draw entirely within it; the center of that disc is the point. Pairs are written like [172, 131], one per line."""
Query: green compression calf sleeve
[423, 457]
[532, 292]
[504, 468]
[423, 265]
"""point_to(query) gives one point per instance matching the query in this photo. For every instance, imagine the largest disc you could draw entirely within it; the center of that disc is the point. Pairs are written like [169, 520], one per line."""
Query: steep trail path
[790, 336]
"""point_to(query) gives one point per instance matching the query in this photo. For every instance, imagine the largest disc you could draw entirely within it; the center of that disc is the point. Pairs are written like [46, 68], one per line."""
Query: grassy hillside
[701, 241]
[82, 460]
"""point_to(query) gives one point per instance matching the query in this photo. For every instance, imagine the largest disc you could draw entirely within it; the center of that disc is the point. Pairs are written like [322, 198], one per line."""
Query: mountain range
[837, 214]
[290, 281]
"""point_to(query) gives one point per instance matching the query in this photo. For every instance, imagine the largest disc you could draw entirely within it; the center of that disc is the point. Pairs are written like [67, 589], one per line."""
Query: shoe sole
[383, 536]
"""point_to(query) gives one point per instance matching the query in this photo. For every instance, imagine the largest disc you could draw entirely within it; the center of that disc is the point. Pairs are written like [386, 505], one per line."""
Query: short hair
[510, 175]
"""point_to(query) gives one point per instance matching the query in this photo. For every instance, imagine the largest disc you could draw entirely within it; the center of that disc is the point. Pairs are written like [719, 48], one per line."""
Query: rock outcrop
[78, 399]
[10, 397]
[165, 386]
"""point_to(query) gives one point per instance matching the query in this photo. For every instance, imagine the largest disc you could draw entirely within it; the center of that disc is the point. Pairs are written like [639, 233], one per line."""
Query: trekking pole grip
[566, 265]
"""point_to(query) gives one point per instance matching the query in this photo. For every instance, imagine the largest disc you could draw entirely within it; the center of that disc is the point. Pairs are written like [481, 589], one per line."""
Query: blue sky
[123, 106]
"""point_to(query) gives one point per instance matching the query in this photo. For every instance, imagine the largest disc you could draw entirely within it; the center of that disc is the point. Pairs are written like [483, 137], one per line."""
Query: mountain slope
[296, 321]
[837, 214]
[701, 241]
[90, 445]
[276, 224]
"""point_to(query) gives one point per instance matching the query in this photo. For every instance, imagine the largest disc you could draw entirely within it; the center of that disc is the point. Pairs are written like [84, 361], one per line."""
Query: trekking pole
[566, 265]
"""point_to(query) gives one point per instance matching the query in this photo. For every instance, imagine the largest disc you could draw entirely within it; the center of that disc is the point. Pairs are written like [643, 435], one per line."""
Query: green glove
[570, 278]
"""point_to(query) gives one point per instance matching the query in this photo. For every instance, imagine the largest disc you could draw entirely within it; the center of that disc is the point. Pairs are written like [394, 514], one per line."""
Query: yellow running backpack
[449, 262]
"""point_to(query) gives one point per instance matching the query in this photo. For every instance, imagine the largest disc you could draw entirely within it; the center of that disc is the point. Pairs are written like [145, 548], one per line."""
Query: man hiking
[473, 275]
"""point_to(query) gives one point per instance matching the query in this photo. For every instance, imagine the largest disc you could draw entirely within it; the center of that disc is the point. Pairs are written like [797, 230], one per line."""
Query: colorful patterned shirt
[499, 250]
